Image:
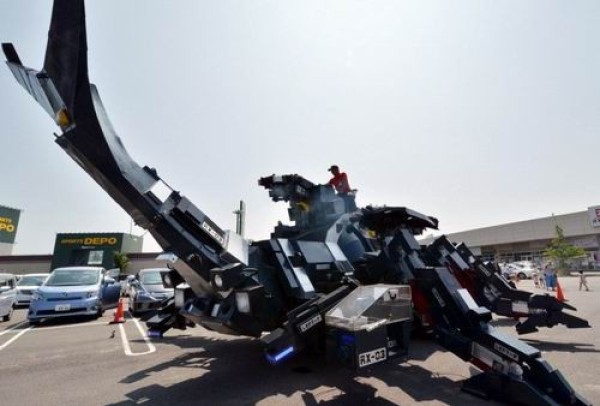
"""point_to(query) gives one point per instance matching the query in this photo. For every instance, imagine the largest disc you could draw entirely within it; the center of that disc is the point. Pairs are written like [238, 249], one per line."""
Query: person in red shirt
[339, 180]
[340, 183]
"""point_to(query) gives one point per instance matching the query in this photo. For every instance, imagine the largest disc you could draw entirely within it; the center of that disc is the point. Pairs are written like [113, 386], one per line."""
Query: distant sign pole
[240, 218]
[9, 221]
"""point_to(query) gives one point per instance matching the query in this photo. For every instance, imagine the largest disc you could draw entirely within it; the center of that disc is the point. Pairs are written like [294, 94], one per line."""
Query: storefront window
[95, 257]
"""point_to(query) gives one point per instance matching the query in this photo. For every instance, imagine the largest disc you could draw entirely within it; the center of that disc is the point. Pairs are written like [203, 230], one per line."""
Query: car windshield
[151, 278]
[31, 280]
[5, 280]
[73, 277]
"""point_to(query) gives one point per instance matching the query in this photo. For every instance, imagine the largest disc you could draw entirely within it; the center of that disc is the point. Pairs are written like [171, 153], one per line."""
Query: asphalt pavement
[91, 362]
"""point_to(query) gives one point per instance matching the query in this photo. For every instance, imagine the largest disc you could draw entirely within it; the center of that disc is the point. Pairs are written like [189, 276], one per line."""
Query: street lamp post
[240, 218]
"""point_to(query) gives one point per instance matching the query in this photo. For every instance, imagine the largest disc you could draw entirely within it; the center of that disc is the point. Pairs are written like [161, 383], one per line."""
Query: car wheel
[133, 311]
[521, 276]
[8, 315]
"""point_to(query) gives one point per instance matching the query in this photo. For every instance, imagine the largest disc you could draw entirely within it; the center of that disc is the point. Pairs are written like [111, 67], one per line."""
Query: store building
[527, 240]
[93, 249]
[9, 222]
[24, 264]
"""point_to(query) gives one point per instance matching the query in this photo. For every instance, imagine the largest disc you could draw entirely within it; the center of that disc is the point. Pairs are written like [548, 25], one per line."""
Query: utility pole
[240, 220]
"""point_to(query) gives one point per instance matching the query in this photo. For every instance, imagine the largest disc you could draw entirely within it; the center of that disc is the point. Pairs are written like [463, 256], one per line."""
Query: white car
[27, 285]
[8, 295]
[521, 269]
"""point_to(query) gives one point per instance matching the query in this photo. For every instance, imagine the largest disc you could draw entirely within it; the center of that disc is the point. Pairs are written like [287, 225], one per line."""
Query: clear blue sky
[478, 113]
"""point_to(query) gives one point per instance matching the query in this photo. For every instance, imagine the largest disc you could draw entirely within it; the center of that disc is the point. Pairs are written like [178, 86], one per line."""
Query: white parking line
[125, 341]
[6, 344]
[16, 326]
[19, 334]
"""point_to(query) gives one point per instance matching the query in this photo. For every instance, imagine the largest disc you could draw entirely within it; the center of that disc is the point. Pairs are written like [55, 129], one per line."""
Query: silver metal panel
[336, 251]
[237, 246]
[459, 261]
[289, 275]
[520, 307]
[333, 236]
[299, 272]
[199, 285]
[50, 91]
[467, 298]
[130, 169]
[486, 356]
[28, 78]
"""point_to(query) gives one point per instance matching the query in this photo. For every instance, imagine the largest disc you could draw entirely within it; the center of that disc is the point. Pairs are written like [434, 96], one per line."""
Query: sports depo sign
[9, 220]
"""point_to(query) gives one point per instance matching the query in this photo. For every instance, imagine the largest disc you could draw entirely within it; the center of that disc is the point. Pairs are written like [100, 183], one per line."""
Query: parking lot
[83, 362]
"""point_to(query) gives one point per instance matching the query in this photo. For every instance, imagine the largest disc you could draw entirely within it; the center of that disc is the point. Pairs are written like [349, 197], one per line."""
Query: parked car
[148, 291]
[8, 295]
[74, 291]
[520, 269]
[28, 284]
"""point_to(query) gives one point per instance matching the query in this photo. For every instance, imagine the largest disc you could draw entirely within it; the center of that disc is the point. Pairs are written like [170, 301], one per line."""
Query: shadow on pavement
[562, 347]
[63, 320]
[234, 372]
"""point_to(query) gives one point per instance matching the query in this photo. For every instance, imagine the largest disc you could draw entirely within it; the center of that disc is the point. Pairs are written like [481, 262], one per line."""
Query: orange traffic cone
[559, 293]
[120, 312]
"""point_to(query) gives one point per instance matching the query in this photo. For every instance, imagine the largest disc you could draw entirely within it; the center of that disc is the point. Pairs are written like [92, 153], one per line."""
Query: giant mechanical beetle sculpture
[344, 282]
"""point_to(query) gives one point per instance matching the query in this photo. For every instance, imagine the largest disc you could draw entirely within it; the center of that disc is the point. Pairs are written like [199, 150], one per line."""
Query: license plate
[372, 357]
[62, 308]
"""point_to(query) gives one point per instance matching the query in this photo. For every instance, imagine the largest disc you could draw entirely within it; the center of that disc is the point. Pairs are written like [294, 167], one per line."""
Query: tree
[561, 251]
[121, 261]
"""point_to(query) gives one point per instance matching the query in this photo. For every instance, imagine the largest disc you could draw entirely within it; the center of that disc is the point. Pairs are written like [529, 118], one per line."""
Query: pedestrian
[583, 281]
[550, 277]
[541, 278]
[535, 275]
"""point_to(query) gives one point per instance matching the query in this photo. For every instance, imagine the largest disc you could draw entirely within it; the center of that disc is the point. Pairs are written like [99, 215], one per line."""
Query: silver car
[27, 285]
[148, 291]
[8, 295]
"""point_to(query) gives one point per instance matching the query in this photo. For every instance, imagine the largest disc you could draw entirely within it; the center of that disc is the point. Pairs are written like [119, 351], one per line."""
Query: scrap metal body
[339, 280]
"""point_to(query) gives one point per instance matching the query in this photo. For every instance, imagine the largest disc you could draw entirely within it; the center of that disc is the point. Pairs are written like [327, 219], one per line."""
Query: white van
[522, 269]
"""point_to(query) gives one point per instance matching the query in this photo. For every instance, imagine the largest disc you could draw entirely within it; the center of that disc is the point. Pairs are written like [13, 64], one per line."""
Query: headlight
[250, 299]
[218, 281]
[179, 298]
[182, 293]
[37, 295]
[242, 301]
[93, 293]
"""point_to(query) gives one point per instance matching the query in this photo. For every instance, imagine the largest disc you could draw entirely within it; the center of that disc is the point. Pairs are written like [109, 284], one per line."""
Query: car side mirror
[109, 281]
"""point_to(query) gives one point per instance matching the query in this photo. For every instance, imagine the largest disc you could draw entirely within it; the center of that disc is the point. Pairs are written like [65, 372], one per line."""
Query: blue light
[347, 339]
[154, 334]
[274, 359]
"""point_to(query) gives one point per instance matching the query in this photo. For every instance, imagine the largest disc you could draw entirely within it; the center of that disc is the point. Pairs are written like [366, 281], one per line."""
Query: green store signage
[9, 220]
